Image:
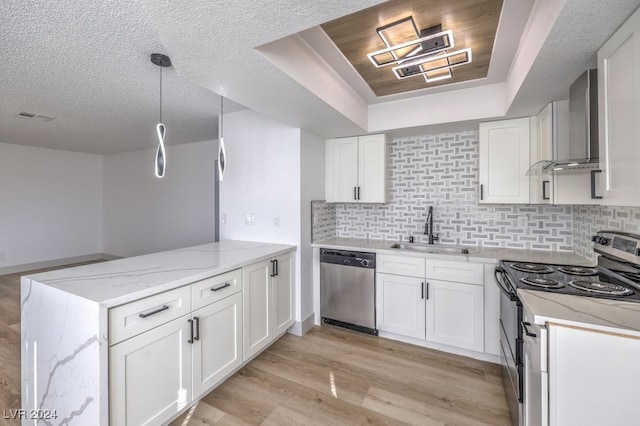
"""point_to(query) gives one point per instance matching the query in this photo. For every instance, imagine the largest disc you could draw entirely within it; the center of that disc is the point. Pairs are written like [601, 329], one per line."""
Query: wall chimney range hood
[578, 153]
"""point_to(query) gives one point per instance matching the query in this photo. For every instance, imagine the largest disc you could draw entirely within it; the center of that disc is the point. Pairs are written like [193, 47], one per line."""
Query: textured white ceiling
[87, 64]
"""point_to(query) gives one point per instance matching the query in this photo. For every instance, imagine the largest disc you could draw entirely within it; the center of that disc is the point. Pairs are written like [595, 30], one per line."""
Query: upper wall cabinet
[619, 110]
[356, 170]
[504, 161]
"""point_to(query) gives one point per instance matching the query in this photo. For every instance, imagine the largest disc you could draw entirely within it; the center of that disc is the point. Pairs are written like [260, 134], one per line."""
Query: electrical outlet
[223, 219]
[276, 221]
[248, 219]
[522, 221]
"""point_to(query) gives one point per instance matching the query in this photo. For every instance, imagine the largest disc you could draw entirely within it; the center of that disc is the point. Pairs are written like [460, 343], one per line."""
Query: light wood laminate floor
[328, 377]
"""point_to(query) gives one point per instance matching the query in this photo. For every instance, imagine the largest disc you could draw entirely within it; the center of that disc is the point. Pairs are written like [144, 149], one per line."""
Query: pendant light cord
[161, 94]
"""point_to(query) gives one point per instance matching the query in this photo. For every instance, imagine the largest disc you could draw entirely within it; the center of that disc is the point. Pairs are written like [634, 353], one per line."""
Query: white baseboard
[300, 328]
[16, 269]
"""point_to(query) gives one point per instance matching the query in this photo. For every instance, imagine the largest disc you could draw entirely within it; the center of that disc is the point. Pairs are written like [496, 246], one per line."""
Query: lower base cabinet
[150, 375]
[161, 360]
[447, 311]
[268, 298]
[218, 351]
[455, 314]
[400, 305]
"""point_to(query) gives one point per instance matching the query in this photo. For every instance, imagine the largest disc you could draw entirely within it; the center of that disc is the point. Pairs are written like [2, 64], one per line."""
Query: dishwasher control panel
[348, 258]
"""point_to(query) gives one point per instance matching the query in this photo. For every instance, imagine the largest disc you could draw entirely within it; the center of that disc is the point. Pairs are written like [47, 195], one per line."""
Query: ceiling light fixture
[222, 154]
[416, 52]
[431, 65]
[162, 61]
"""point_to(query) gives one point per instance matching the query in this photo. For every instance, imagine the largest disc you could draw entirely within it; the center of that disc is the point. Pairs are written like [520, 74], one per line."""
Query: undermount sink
[441, 248]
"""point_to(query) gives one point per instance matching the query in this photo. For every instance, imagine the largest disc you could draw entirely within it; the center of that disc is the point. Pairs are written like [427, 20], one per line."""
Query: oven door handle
[499, 272]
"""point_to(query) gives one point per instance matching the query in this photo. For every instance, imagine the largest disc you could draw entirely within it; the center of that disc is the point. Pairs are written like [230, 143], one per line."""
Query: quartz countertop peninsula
[121, 281]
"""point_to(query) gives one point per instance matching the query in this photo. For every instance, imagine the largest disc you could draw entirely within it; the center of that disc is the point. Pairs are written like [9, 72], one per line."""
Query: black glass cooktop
[557, 281]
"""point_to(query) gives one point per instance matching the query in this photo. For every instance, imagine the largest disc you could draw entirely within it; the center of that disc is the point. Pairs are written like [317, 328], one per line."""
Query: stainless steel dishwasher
[347, 289]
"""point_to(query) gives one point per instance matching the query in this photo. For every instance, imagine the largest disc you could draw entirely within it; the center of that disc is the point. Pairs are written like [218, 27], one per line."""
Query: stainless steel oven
[511, 344]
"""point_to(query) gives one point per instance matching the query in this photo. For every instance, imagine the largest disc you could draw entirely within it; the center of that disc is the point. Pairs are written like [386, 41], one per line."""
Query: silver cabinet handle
[422, 291]
[220, 287]
[544, 190]
[148, 314]
[481, 192]
[427, 292]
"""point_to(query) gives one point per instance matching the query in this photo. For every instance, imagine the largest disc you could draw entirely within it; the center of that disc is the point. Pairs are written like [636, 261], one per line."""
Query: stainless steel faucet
[428, 227]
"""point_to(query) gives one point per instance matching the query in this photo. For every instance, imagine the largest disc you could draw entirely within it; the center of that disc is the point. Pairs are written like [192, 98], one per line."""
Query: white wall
[312, 177]
[262, 179]
[51, 204]
[144, 214]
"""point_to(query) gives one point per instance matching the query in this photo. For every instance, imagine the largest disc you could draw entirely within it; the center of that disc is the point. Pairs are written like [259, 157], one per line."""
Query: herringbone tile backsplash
[442, 171]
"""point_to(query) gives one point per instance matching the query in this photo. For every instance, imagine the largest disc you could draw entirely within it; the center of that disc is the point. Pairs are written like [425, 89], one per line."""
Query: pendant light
[162, 61]
[222, 155]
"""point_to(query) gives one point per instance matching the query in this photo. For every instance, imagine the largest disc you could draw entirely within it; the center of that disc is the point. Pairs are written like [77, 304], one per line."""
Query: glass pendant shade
[160, 154]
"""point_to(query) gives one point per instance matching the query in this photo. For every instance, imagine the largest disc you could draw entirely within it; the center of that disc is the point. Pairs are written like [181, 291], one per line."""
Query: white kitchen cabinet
[217, 352]
[541, 149]
[400, 305]
[256, 293]
[268, 301]
[618, 110]
[438, 301]
[504, 161]
[455, 314]
[356, 169]
[283, 294]
[150, 375]
[592, 377]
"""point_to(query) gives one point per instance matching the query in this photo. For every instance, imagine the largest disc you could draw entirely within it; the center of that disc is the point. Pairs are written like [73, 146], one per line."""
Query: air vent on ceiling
[34, 116]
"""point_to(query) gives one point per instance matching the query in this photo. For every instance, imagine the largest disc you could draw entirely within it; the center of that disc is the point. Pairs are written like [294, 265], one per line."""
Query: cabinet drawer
[400, 265]
[460, 272]
[137, 317]
[215, 288]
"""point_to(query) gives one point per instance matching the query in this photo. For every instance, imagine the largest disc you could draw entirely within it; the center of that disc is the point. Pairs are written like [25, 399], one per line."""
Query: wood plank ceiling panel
[473, 22]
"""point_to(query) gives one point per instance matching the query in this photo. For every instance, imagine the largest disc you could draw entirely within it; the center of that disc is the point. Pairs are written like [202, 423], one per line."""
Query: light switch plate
[276, 221]
[248, 219]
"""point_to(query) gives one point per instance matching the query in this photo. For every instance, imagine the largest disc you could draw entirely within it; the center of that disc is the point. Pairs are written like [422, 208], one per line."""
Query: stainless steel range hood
[578, 153]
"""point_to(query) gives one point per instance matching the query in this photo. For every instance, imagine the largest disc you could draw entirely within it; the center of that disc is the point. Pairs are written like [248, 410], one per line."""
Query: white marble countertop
[121, 281]
[605, 315]
[476, 253]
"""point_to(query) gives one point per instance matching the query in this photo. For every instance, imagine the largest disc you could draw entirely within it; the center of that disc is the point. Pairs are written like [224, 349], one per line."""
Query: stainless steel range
[616, 276]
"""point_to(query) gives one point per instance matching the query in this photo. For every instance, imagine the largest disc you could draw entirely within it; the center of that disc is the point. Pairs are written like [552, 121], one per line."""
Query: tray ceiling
[474, 24]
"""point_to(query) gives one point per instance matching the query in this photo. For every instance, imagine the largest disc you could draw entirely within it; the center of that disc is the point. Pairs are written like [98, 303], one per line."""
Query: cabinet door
[455, 314]
[400, 305]
[283, 294]
[372, 172]
[542, 138]
[256, 295]
[341, 170]
[504, 161]
[218, 350]
[619, 109]
[150, 375]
